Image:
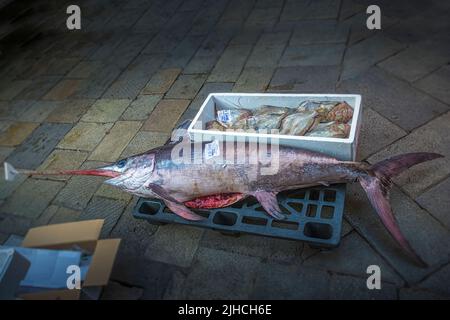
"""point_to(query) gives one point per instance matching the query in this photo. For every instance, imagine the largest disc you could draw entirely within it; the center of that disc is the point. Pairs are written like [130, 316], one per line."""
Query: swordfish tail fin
[377, 183]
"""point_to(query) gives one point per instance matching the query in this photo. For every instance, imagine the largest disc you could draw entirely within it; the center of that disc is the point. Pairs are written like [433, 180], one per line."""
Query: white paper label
[212, 149]
[224, 116]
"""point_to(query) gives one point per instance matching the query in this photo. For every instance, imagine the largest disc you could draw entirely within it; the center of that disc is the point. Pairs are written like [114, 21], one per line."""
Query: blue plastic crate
[314, 215]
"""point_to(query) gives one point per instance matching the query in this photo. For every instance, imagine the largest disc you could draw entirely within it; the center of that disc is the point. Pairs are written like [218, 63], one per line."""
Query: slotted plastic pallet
[314, 215]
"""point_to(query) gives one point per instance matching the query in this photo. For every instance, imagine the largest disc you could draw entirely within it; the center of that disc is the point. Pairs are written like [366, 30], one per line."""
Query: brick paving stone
[349, 8]
[85, 69]
[237, 10]
[39, 87]
[17, 133]
[14, 110]
[218, 274]
[281, 282]
[437, 84]
[263, 17]
[344, 287]
[79, 190]
[135, 270]
[115, 291]
[318, 31]
[376, 133]
[64, 215]
[63, 160]
[38, 146]
[61, 66]
[106, 110]
[161, 81]
[415, 62]
[265, 56]
[186, 86]
[274, 38]
[359, 30]
[244, 36]
[426, 235]
[174, 244]
[437, 201]
[165, 115]
[14, 225]
[141, 108]
[418, 294]
[5, 152]
[181, 55]
[321, 9]
[394, 99]
[209, 87]
[230, 64]
[162, 43]
[133, 79]
[45, 217]
[8, 187]
[40, 110]
[115, 141]
[11, 89]
[431, 137]
[136, 234]
[362, 55]
[144, 141]
[174, 289]
[128, 50]
[64, 89]
[4, 125]
[438, 282]
[207, 55]
[207, 17]
[253, 80]
[111, 192]
[32, 198]
[284, 251]
[352, 257]
[70, 111]
[313, 55]
[305, 79]
[85, 136]
[102, 208]
[94, 86]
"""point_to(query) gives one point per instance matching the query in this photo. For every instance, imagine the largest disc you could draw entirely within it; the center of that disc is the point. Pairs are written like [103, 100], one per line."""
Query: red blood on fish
[214, 201]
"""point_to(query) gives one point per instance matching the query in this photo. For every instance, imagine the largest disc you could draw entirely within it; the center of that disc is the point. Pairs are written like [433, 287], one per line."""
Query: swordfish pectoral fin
[173, 204]
[269, 202]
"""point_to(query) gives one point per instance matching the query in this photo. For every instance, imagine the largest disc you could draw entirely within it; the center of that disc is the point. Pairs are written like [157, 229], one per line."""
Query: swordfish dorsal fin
[173, 204]
[269, 202]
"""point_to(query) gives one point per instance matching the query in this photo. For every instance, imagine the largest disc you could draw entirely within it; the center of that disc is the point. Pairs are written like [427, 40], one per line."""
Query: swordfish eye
[121, 164]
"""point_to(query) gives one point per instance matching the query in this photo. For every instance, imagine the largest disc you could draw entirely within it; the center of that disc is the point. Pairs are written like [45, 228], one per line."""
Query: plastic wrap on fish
[330, 130]
[268, 117]
[229, 117]
[299, 123]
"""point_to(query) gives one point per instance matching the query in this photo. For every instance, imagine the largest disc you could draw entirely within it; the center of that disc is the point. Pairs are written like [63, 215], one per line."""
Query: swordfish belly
[291, 168]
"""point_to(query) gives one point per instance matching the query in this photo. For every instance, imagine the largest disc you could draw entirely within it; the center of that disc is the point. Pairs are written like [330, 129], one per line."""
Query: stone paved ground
[136, 68]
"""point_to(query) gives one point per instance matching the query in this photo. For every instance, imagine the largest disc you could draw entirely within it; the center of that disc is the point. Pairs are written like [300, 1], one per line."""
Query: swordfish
[205, 183]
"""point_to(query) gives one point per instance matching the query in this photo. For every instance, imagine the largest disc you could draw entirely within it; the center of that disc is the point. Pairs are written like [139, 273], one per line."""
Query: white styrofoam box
[343, 149]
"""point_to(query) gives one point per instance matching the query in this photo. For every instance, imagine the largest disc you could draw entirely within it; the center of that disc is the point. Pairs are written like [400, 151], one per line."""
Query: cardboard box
[343, 149]
[13, 268]
[83, 235]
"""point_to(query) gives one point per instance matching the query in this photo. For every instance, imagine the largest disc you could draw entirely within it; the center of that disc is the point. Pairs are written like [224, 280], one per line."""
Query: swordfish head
[132, 173]
[128, 174]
